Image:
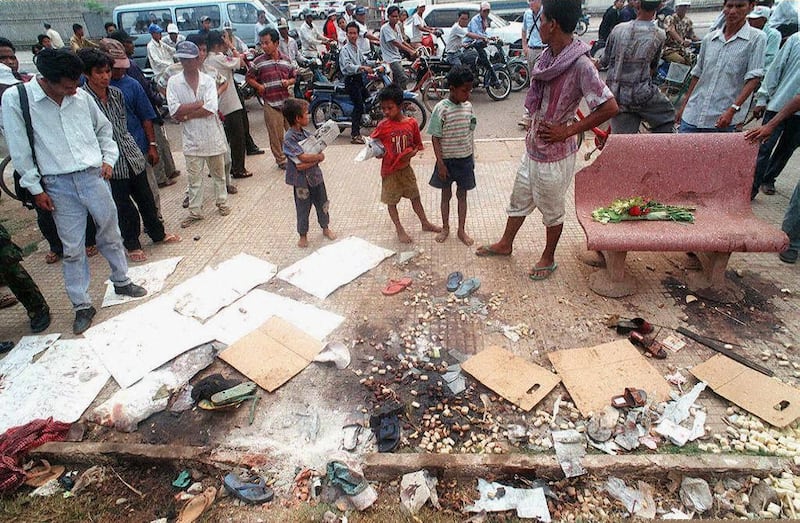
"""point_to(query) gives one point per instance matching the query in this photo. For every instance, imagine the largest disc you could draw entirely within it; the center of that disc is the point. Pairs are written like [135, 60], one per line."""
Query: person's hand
[321, 157]
[152, 155]
[552, 132]
[441, 169]
[284, 83]
[105, 171]
[760, 134]
[260, 89]
[758, 111]
[43, 201]
[725, 118]
[525, 51]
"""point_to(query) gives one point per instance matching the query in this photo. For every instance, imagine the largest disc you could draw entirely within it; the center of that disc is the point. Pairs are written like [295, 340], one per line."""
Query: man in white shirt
[75, 153]
[261, 24]
[391, 45]
[349, 10]
[418, 26]
[310, 37]
[159, 54]
[454, 46]
[364, 35]
[287, 45]
[55, 38]
[192, 100]
[173, 36]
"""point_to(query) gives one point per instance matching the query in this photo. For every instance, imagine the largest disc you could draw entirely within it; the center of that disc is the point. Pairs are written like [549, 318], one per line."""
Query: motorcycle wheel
[581, 28]
[433, 91]
[520, 77]
[324, 111]
[502, 91]
[414, 109]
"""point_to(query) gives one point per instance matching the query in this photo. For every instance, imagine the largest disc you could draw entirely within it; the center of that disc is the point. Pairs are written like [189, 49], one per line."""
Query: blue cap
[154, 28]
[186, 50]
[360, 11]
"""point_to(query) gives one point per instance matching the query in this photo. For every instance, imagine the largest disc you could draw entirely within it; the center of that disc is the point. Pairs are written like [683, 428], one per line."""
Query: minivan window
[189, 17]
[242, 13]
[137, 22]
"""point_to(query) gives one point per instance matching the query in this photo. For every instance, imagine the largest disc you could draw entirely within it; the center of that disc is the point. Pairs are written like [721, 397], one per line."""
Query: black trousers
[48, 227]
[236, 132]
[354, 85]
[776, 151]
[251, 145]
[134, 198]
[304, 198]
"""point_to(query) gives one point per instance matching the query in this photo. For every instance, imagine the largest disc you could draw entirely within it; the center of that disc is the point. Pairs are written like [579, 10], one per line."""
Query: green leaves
[639, 208]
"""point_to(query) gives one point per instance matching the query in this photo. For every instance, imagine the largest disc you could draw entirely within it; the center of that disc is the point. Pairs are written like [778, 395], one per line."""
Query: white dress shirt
[201, 136]
[160, 56]
[310, 38]
[67, 138]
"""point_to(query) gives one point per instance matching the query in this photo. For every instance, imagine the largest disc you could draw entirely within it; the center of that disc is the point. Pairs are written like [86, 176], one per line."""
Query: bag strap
[26, 115]
[535, 17]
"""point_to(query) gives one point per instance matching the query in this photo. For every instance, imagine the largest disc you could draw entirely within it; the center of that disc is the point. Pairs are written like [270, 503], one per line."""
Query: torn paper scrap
[152, 276]
[332, 266]
[570, 446]
[204, 295]
[61, 384]
[529, 503]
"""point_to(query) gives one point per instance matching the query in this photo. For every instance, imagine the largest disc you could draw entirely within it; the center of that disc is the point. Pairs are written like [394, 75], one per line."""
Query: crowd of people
[86, 136]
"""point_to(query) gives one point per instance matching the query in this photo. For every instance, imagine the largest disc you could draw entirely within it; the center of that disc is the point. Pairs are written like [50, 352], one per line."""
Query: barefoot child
[303, 172]
[401, 140]
[452, 130]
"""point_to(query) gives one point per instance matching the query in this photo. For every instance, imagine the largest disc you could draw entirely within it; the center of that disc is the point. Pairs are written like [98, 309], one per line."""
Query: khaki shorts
[542, 186]
[399, 184]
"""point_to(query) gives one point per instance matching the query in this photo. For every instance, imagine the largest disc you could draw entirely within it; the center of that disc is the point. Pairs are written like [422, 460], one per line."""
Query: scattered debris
[637, 502]
[677, 410]
[348, 478]
[183, 480]
[195, 507]
[601, 426]
[696, 495]
[91, 476]
[673, 343]
[47, 489]
[570, 446]
[529, 503]
[334, 352]
[416, 489]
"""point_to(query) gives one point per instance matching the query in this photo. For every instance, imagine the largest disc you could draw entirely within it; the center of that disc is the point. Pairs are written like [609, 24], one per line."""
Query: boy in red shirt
[401, 141]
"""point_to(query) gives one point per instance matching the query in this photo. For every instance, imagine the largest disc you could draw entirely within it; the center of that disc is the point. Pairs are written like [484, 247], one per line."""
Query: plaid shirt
[131, 160]
[270, 73]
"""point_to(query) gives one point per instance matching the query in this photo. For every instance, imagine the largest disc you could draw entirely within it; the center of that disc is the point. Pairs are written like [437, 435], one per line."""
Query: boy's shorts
[544, 186]
[400, 184]
[459, 170]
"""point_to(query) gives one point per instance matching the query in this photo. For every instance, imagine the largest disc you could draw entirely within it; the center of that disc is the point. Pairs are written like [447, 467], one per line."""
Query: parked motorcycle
[517, 66]
[330, 101]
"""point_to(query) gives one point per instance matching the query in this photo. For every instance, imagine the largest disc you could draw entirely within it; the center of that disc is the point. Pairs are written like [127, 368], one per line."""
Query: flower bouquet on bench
[639, 208]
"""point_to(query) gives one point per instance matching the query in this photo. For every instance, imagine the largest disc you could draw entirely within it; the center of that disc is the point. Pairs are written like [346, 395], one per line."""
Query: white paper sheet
[332, 266]
[151, 276]
[62, 384]
[205, 294]
[249, 313]
[22, 355]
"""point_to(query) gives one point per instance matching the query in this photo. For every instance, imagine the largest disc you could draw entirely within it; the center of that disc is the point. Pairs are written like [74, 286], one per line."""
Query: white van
[186, 14]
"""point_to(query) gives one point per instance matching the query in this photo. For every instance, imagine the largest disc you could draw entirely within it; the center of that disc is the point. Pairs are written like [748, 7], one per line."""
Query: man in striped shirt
[129, 185]
[273, 75]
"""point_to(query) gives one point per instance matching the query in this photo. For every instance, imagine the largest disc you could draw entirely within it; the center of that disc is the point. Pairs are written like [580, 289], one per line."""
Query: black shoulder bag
[23, 194]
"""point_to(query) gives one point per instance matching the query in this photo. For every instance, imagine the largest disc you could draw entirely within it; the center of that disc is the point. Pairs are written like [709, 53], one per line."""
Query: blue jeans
[791, 221]
[74, 195]
[689, 128]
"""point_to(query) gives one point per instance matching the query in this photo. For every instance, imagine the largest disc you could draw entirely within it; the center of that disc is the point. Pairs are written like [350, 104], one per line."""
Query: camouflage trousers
[17, 278]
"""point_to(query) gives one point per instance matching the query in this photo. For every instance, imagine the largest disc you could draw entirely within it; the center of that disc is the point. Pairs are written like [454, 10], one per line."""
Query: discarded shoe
[649, 344]
[235, 394]
[468, 287]
[43, 473]
[396, 286]
[254, 493]
[454, 281]
[83, 320]
[386, 426]
[631, 397]
[625, 326]
[195, 507]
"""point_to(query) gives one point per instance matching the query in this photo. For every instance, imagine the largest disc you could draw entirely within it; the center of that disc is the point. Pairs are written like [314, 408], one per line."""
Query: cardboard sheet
[776, 403]
[272, 354]
[519, 381]
[593, 375]
[332, 266]
[151, 276]
[204, 295]
[22, 355]
[247, 314]
[62, 384]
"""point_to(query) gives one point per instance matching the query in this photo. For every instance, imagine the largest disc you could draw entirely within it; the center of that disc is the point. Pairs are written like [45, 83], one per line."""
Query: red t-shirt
[397, 138]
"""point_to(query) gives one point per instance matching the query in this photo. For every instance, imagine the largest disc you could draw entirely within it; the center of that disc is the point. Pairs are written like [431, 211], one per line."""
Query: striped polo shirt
[270, 73]
[454, 125]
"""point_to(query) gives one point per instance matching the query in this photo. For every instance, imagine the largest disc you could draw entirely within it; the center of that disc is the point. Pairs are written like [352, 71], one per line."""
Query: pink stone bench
[711, 172]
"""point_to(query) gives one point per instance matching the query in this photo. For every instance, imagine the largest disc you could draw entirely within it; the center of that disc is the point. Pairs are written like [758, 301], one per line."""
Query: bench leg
[612, 281]
[710, 283]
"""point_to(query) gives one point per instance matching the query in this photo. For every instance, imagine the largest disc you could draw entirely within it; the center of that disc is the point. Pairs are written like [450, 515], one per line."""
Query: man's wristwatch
[736, 108]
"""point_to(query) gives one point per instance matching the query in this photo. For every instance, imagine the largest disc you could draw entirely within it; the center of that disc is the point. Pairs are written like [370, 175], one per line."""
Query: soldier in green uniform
[21, 283]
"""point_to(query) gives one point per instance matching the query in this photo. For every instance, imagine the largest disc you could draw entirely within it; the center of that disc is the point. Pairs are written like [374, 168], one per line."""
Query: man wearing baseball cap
[479, 25]
[174, 37]
[192, 100]
[205, 25]
[310, 37]
[758, 18]
[159, 54]
[680, 35]
[364, 35]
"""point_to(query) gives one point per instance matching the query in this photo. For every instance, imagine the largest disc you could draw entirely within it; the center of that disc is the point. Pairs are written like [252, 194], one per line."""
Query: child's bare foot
[442, 236]
[302, 242]
[465, 239]
[429, 227]
[326, 232]
[403, 236]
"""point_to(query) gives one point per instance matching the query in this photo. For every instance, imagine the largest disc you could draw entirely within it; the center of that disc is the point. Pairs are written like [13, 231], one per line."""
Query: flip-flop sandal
[468, 287]
[640, 325]
[195, 507]
[485, 251]
[253, 493]
[351, 430]
[51, 258]
[549, 270]
[396, 286]
[454, 280]
[210, 405]
[91, 251]
[649, 344]
[631, 397]
[137, 256]
[234, 394]
[388, 433]
[190, 220]
[171, 238]
[8, 300]
[41, 474]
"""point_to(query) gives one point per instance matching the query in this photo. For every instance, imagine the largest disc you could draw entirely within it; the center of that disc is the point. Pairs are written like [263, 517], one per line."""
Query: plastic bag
[373, 149]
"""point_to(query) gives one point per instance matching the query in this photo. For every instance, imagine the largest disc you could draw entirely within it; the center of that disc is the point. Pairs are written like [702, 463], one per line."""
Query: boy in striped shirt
[452, 128]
